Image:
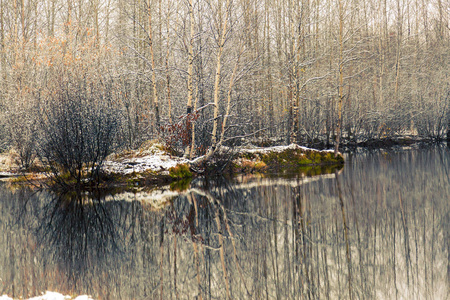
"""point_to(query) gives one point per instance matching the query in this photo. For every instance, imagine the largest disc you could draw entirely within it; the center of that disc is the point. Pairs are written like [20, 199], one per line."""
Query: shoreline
[154, 167]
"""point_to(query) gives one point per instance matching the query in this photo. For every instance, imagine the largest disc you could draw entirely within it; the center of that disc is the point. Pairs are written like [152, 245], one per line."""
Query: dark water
[379, 229]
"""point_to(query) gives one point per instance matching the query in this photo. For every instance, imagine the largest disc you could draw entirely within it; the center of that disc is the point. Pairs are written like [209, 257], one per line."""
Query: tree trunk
[397, 57]
[341, 78]
[190, 59]
[152, 57]
[199, 96]
[96, 22]
[382, 51]
[218, 71]
[222, 33]
[190, 86]
[2, 49]
[169, 100]
[230, 89]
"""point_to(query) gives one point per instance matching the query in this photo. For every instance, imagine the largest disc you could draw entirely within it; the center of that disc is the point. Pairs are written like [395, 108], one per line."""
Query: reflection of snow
[6, 175]
[248, 182]
[160, 196]
[156, 198]
[51, 296]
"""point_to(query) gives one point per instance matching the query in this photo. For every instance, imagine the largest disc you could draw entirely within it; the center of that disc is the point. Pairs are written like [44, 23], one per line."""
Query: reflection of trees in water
[369, 234]
[16, 249]
[79, 233]
[71, 243]
[285, 240]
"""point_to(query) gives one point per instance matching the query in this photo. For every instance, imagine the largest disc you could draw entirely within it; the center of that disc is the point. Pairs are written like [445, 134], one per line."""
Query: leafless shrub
[78, 126]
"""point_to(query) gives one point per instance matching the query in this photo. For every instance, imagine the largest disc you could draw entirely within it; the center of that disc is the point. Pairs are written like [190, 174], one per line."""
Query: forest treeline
[205, 73]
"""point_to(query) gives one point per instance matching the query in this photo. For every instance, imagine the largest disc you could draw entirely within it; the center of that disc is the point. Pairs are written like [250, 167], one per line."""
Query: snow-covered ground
[148, 158]
[155, 162]
[51, 296]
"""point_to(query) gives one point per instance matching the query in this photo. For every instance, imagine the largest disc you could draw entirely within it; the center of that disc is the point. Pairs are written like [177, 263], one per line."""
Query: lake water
[377, 229]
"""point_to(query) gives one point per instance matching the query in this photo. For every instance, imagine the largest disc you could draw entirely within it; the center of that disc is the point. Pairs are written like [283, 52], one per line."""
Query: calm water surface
[378, 229]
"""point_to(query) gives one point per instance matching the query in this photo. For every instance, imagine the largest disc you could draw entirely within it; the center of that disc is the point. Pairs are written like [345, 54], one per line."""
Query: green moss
[180, 171]
[305, 160]
[291, 159]
[330, 158]
[288, 158]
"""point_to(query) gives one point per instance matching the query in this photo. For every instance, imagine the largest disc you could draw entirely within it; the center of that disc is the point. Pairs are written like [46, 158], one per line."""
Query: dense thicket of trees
[297, 70]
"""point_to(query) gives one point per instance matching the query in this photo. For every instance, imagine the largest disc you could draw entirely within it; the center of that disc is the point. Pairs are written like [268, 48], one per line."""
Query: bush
[78, 126]
[177, 136]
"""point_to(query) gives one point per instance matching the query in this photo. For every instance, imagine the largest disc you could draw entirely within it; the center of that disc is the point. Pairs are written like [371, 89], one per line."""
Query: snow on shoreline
[150, 157]
[156, 163]
[156, 160]
[161, 162]
[51, 296]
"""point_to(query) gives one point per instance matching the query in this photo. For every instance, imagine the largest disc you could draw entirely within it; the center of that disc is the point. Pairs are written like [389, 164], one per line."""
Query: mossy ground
[181, 171]
[289, 159]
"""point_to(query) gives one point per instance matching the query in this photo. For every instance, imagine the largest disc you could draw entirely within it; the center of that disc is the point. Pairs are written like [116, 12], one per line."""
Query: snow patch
[154, 162]
[149, 157]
